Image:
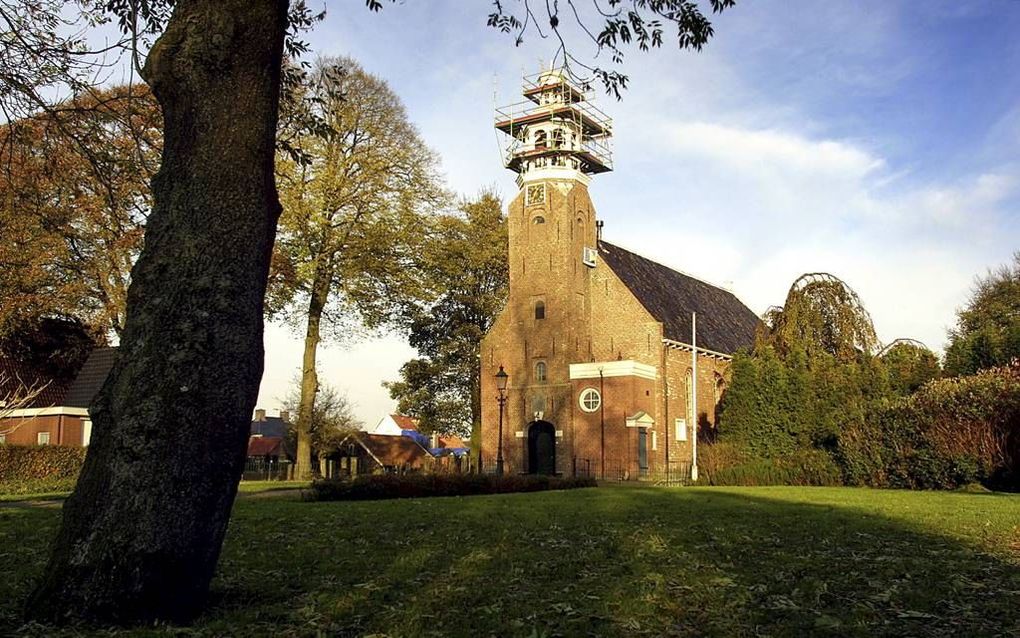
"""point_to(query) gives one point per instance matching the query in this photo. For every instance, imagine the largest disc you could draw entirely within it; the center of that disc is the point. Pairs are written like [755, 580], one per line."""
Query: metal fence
[674, 473]
[267, 469]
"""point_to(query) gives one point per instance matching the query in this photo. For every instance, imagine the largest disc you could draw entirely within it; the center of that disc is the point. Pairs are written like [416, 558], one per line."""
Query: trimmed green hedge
[389, 486]
[725, 464]
[39, 468]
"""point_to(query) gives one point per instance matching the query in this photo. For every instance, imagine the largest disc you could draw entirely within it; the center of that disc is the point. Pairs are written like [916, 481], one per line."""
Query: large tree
[987, 332]
[142, 531]
[73, 214]
[357, 204]
[467, 260]
[141, 534]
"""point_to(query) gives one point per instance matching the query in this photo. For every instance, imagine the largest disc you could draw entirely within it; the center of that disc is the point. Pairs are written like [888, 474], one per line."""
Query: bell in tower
[557, 133]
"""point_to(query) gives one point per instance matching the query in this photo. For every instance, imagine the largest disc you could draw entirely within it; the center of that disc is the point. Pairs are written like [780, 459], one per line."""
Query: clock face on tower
[535, 194]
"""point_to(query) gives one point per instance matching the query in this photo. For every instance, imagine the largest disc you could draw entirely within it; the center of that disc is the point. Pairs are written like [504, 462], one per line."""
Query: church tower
[555, 142]
[602, 362]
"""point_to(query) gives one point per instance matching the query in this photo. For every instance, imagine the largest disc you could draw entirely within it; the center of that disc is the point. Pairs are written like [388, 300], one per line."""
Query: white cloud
[771, 150]
[759, 207]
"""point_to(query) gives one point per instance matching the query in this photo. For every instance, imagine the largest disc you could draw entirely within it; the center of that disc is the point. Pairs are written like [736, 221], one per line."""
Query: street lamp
[501, 378]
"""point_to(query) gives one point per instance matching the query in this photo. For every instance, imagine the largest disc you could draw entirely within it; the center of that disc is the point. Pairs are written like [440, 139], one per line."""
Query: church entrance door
[541, 448]
[642, 450]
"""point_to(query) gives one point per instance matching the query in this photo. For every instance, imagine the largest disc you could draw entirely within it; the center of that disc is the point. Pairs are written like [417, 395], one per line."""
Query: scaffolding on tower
[552, 98]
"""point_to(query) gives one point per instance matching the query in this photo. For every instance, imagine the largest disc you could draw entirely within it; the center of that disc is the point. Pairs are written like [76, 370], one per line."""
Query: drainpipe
[694, 395]
[602, 419]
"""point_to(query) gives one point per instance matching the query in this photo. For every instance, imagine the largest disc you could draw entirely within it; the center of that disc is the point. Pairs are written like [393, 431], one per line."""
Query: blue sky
[878, 141]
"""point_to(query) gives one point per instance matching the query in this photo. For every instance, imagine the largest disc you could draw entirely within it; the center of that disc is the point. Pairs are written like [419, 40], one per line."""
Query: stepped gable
[725, 324]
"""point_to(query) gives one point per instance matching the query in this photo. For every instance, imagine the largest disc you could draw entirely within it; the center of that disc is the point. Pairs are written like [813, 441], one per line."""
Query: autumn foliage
[74, 196]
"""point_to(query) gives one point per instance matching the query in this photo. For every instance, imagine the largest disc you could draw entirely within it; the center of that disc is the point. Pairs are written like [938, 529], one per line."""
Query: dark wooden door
[541, 448]
[642, 448]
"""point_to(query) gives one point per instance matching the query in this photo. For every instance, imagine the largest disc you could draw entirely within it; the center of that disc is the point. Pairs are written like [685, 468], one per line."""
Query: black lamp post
[501, 378]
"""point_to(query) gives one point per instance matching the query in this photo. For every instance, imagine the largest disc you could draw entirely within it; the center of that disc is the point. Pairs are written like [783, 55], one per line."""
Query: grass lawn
[606, 561]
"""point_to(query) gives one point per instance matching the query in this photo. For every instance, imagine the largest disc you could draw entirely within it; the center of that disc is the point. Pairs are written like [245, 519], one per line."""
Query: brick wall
[63, 429]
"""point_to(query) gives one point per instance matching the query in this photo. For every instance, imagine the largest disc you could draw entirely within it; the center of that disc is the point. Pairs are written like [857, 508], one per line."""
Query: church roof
[725, 324]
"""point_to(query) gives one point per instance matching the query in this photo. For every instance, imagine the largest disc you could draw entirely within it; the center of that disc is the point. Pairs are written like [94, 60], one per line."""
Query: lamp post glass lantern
[501, 380]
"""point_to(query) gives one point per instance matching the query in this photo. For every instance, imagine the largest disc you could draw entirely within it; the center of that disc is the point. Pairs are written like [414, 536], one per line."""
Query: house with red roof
[58, 413]
[394, 425]
[366, 453]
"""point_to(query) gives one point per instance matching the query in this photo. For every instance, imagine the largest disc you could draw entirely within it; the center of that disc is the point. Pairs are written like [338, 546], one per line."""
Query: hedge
[390, 486]
[950, 433]
[726, 464]
[39, 468]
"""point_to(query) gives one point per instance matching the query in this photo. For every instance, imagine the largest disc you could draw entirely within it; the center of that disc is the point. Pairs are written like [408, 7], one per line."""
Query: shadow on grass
[601, 562]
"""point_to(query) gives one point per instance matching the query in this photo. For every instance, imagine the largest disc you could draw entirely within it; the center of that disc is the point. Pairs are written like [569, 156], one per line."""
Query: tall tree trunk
[309, 376]
[143, 530]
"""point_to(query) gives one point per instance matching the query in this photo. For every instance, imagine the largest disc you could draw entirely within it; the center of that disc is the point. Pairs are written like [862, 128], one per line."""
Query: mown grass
[613, 562]
[246, 487]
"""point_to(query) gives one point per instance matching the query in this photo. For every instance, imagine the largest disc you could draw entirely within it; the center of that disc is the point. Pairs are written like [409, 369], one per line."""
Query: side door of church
[642, 450]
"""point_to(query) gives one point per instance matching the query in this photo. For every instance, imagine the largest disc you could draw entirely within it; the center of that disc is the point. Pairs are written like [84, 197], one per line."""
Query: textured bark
[309, 375]
[142, 532]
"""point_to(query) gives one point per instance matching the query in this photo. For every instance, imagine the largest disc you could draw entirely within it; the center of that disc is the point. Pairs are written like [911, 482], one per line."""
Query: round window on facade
[590, 400]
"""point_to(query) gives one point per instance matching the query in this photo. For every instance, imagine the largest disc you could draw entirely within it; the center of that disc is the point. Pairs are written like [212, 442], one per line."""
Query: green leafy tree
[810, 375]
[821, 315]
[467, 260]
[149, 515]
[987, 332]
[357, 204]
[909, 365]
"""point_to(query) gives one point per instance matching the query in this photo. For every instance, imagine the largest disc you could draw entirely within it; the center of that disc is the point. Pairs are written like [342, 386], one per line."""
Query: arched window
[720, 387]
[557, 138]
[539, 310]
[540, 371]
[590, 400]
[538, 219]
[540, 138]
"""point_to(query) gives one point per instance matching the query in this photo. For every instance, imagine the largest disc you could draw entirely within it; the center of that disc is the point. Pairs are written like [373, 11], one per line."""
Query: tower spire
[557, 132]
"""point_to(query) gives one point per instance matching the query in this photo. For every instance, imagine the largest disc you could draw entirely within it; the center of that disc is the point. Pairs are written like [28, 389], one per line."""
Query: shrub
[42, 468]
[387, 486]
[950, 433]
[726, 465]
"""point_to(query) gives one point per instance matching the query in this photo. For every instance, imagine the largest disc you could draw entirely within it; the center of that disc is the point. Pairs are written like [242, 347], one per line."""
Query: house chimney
[260, 415]
[434, 441]
[598, 229]
[285, 416]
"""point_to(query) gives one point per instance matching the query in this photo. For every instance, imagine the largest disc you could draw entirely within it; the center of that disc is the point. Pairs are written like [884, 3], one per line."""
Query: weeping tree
[811, 372]
[909, 365]
[141, 534]
[821, 315]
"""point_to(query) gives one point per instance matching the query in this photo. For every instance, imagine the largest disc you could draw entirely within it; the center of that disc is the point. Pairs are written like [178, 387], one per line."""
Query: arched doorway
[541, 448]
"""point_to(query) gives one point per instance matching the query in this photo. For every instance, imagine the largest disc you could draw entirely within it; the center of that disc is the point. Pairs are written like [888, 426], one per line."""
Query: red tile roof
[265, 446]
[17, 378]
[405, 422]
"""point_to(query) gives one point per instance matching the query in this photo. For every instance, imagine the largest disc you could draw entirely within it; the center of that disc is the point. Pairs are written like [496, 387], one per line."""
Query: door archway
[541, 448]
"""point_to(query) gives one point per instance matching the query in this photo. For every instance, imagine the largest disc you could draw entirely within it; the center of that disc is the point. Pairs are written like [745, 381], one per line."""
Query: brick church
[597, 341]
